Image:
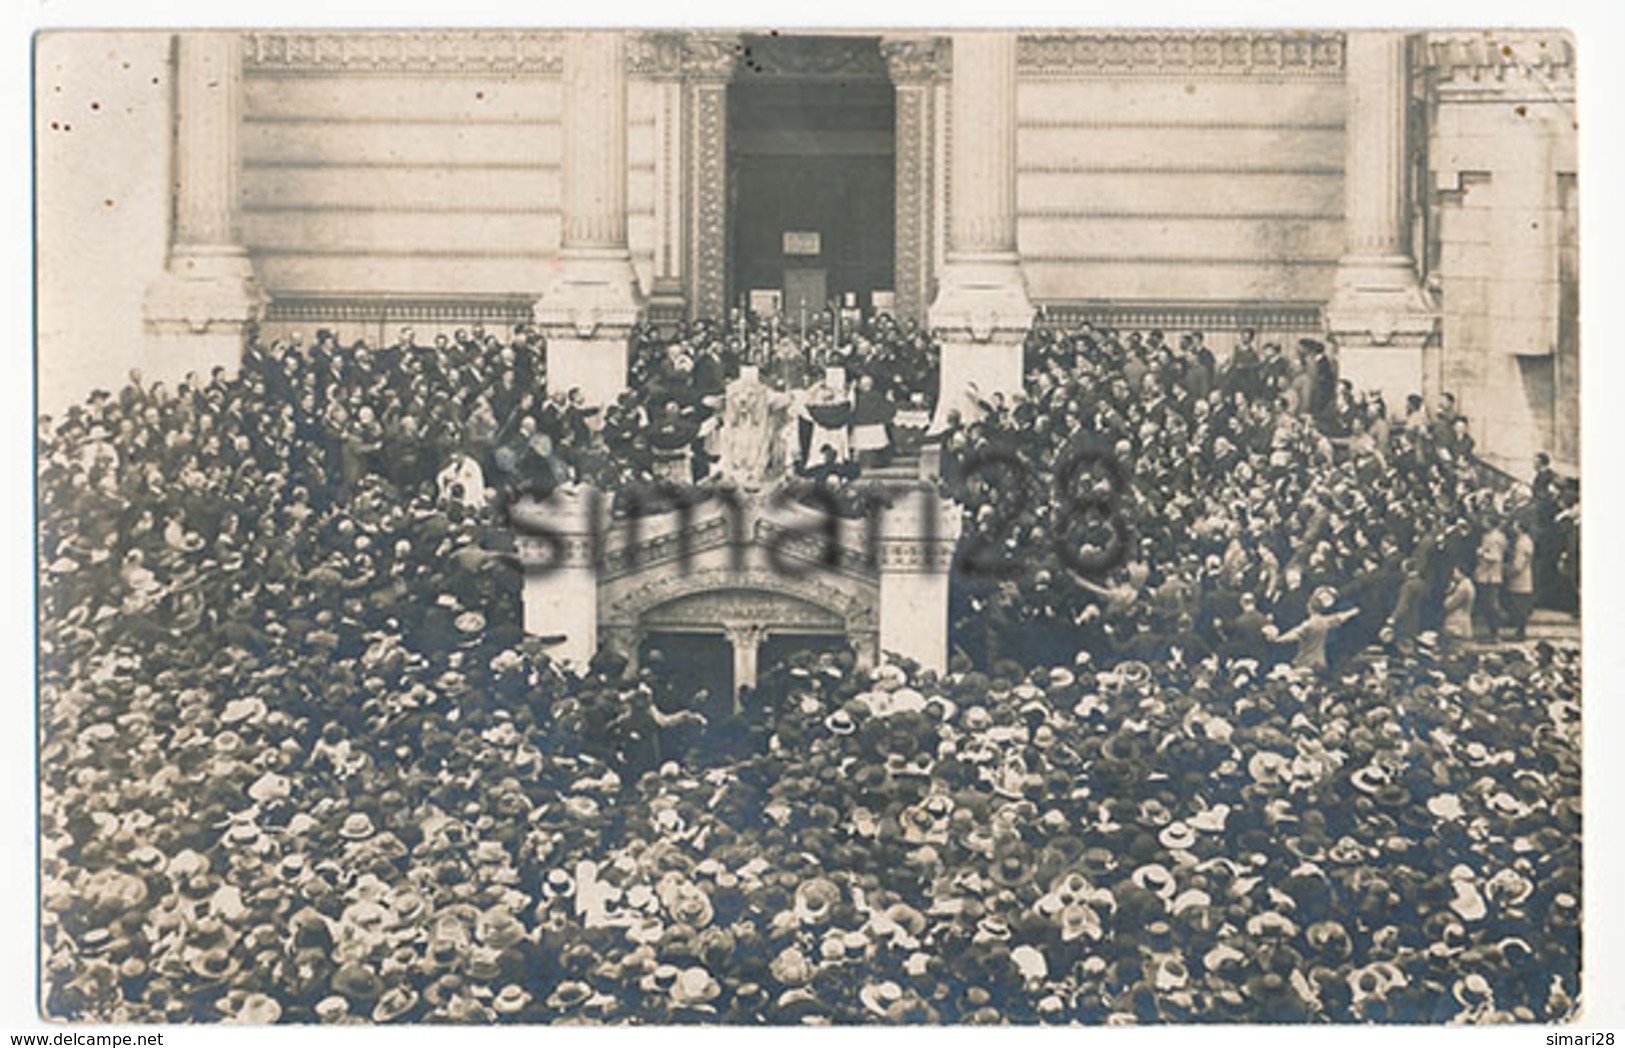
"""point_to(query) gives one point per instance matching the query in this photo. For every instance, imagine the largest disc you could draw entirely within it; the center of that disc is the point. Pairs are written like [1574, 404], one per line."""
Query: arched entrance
[701, 628]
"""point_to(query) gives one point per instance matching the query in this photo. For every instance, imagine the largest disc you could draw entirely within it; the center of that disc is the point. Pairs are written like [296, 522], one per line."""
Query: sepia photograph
[755, 526]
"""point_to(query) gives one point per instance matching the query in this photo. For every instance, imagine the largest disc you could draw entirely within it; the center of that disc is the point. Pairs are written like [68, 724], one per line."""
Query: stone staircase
[1558, 628]
[902, 469]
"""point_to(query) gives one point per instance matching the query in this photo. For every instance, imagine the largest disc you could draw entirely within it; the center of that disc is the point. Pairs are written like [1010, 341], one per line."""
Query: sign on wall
[803, 242]
[766, 301]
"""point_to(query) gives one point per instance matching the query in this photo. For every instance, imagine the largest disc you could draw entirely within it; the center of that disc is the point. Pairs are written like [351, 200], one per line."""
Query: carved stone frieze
[917, 59]
[1318, 54]
[428, 51]
[851, 604]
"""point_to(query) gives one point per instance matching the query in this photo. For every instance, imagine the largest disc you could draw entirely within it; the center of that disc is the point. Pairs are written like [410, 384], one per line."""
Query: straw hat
[357, 826]
[256, 1009]
[396, 1002]
[510, 1000]
[694, 988]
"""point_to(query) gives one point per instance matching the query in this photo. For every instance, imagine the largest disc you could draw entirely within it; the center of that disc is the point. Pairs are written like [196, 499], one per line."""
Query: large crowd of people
[299, 762]
[1250, 494]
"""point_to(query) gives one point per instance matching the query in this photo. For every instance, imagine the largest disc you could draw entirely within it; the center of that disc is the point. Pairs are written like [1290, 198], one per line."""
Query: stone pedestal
[918, 533]
[983, 314]
[982, 309]
[587, 316]
[200, 310]
[1379, 316]
[556, 540]
[589, 308]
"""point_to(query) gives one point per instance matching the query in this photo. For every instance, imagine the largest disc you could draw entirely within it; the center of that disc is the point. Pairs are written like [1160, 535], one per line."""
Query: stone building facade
[1409, 196]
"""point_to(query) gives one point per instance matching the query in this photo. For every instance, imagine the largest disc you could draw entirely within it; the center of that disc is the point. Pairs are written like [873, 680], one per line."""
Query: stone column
[1379, 316]
[708, 65]
[918, 533]
[588, 311]
[199, 311]
[915, 64]
[557, 540]
[982, 308]
[746, 638]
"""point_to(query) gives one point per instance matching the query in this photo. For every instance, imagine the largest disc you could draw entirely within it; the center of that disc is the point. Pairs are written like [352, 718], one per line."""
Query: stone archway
[745, 618]
[886, 592]
[746, 608]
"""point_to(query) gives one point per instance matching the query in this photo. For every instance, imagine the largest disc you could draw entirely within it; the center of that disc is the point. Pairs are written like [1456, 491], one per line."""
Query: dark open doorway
[811, 143]
[781, 647]
[694, 669]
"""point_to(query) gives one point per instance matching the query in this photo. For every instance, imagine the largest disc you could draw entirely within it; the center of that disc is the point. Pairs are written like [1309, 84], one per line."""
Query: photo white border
[1598, 34]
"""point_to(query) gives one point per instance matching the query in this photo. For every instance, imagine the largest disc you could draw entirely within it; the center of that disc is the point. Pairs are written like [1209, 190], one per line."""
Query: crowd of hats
[298, 765]
[1238, 476]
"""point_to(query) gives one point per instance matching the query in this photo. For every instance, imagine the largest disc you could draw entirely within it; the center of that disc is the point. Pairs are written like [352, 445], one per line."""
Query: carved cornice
[621, 558]
[455, 52]
[798, 545]
[916, 557]
[710, 57]
[744, 616]
[1080, 257]
[1185, 316]
[1087, 213]
[1498, 61]
[852, 603]
[1086, 167]
[914, 59]
[658, 55]
[316, 307]
[1270, 54]
[577, 551]
[1064, 122]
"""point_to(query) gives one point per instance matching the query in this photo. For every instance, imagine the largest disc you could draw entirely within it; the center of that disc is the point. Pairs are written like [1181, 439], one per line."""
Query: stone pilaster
[982, 308]
[201, 308]
[745, 639]
[1379, 316]
[591, 306]
[708, 65]
[916, 65]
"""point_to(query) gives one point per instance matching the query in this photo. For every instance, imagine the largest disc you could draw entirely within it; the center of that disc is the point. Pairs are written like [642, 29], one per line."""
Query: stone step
[1562, 626]
[892, 473]
[901, 467]
[1554, 627]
